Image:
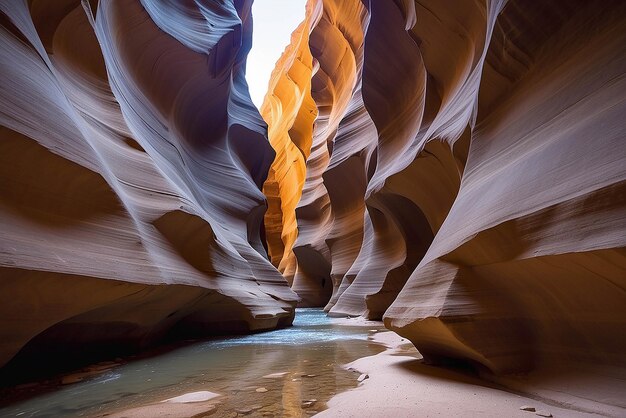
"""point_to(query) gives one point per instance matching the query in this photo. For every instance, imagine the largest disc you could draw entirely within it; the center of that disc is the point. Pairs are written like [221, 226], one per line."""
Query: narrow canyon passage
[213, 207]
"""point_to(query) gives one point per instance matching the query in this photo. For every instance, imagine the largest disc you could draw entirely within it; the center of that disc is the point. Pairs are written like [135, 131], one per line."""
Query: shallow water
[311, 353]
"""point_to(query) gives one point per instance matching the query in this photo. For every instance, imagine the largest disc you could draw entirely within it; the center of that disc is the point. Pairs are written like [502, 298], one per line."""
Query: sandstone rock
[261, 390]
[309, 403]
[131, 198]
[457, 171]
[362, 377]
[336, 43]
[527, 408]
[289, 111]
[73, 378]
[169, 410]
[516, 240]
[543, 413]
[275, 375]
[475, 201]
[201, 396]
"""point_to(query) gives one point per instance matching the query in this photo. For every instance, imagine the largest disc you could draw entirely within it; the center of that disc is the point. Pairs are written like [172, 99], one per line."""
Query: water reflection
[309, 355]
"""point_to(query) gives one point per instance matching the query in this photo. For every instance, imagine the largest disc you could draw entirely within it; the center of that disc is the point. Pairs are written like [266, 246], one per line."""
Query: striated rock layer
[131, 163]
[289, 111]
[458, 170]
[467, 177]
[528, 268]
[336, 42]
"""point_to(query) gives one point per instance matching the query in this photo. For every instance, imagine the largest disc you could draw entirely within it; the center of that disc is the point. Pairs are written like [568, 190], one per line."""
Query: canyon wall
[467, 177]
[131, 168]
[456, 170]
[290, 112]
[528, 268]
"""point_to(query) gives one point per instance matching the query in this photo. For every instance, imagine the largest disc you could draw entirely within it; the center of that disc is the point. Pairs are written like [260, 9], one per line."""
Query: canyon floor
[334, 367]
[400, 384]
[287, 372]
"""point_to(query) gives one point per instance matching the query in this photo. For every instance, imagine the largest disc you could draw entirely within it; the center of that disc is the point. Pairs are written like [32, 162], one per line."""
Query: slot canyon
[426, 216]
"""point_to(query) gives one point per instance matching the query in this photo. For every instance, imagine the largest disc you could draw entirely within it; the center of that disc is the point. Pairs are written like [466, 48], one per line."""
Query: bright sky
[273, 22]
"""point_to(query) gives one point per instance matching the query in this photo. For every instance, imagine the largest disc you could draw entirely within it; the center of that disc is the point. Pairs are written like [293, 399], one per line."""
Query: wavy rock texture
[131, 166]
[467, 177]
[289, 111]
[464, 177]
[336, 42]
[528, 268]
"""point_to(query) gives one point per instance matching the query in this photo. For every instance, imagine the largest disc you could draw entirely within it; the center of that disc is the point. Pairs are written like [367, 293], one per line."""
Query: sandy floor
[400, 385]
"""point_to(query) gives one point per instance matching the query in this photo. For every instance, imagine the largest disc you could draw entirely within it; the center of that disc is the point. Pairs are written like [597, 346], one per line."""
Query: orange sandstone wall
[336, 42]
[289, 111]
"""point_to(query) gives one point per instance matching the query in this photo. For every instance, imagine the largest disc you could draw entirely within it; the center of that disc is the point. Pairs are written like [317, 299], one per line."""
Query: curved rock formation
[528, 267]
[459, 171]
[466, 178]
[131, 166]
[336, 42]
[289, 111]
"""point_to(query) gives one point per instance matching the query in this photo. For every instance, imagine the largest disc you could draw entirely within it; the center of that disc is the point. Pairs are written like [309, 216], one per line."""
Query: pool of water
[310, 354]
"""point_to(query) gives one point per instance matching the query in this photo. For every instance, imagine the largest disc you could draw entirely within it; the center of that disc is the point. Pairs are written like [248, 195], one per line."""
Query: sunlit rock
[289, 111]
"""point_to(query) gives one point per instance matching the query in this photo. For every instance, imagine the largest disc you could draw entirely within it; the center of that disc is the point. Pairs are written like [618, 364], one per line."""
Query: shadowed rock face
[528, 268]
[467, 174]
[131, 163]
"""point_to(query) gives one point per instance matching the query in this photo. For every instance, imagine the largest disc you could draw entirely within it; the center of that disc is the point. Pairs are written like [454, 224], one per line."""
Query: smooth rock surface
[131, 163]
[466, 182]
[201, 396]
[466, 178]
[459, 172]
[289, 111]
